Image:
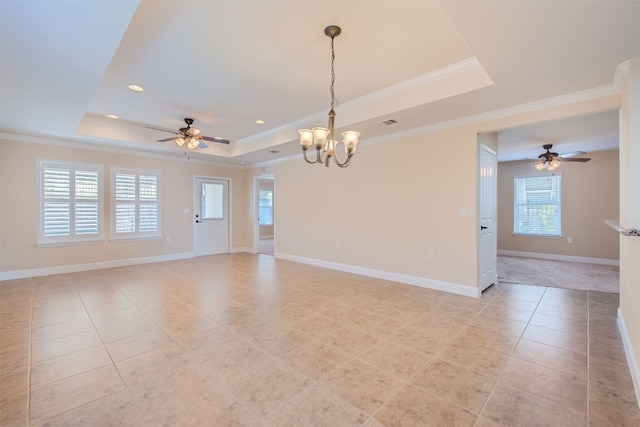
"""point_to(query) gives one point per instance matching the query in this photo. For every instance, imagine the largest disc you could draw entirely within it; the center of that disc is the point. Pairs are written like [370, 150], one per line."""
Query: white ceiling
[66, 65]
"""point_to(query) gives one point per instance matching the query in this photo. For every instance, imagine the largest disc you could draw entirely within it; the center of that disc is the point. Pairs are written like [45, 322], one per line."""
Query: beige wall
[590, 195]
[19, 173]
[630, 215]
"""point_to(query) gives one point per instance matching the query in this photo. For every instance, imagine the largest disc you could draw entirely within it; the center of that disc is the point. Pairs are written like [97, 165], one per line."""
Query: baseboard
[74, 268]
[422, 282]
[632, 360]
[243, 249]
[566, 258]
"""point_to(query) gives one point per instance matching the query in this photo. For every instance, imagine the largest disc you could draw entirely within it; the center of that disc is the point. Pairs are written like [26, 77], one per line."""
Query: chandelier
[323, 138]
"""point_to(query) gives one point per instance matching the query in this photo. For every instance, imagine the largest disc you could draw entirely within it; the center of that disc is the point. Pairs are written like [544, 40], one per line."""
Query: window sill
[538, 236]
[72, 243]
[132, 238]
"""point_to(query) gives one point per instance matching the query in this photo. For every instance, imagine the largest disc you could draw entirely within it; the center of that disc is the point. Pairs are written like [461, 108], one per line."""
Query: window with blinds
[70, 202]
[135, 208]
[536, 205]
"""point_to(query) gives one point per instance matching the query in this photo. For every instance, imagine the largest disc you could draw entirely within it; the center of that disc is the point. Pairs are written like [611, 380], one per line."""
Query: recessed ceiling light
[112, 116]
[260, 122]
[136, 88]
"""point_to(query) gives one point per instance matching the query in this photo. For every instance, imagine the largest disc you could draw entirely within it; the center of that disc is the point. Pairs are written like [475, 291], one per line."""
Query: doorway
[264, 230]
[211, 202]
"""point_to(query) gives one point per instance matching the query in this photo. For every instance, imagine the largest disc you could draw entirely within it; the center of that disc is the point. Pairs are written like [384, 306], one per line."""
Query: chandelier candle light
[323, 138]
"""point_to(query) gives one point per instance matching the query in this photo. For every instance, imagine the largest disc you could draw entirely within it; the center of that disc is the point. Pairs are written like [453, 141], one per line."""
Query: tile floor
[250, 340]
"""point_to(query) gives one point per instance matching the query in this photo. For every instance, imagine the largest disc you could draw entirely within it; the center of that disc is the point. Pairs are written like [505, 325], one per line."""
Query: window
[70, 202]
[536, 207]
[212, 201]
[265, 206]
[135, 206]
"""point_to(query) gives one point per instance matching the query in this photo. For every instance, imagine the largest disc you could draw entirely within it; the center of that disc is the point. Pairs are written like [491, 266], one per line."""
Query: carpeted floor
[558, 274]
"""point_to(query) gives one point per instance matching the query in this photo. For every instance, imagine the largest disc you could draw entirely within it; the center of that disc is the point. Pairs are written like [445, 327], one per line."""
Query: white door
[488, 218]
[211, 231]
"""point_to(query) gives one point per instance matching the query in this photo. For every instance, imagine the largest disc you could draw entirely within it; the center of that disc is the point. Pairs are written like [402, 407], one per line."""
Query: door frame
[256, 210]
[195, 204]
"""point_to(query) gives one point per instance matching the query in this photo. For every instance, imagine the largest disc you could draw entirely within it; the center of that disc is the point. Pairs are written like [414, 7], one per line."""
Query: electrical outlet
[432, 255]
[169, 239]
[570, 240]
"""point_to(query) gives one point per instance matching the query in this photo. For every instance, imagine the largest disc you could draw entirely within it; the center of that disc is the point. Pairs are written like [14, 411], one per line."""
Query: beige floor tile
[352, 340]
[419, 339]
[165, 401]
[59, 330]
[396, 359]
[467, 389]
[507, 312]
[14, 409]
[14, 379]
[55, 398]
[412, 406]
[58, 368]
[565, 389]
[510, 406]
[474, 358]
[116, 410]
[288, 329]
[613, 407]
[126, 329]
[487, 338]
[316, 360]
[610, 373]
[108, 319]
[567, 313]
[280, 341]
[562, 360]
[218, 409]
[44, 318]
[566, 340]
[559, 323]
[137, 344]
[262, 390]
[61, 346]
[506, 326]
[364, 386]
[318, 407]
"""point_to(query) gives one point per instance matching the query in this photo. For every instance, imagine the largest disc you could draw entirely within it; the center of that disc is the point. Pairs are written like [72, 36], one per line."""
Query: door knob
[482, 227]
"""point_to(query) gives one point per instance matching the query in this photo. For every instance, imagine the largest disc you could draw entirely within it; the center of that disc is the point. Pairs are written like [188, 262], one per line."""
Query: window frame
[137, 203]
[558, 205]
[73, 238]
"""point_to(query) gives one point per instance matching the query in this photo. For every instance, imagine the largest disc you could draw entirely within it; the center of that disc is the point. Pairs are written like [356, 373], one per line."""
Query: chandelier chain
[333, 75]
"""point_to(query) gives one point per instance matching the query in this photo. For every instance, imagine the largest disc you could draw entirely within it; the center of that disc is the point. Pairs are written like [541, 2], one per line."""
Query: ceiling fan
[551, 161]
[190, 136]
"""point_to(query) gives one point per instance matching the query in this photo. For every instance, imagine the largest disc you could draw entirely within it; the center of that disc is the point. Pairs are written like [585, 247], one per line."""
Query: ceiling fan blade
[202, 145]
[162, 130]
[521, 164]
[165, 140]
[576, 159]
[573, 154]
[218, 140]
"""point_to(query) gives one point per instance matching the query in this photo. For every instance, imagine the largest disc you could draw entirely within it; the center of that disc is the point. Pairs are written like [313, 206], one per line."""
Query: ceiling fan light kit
[552, 161]
[190, 137]
[323, 138]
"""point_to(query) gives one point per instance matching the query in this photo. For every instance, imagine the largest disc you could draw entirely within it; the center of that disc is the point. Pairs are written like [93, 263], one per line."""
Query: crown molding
[614, 88]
